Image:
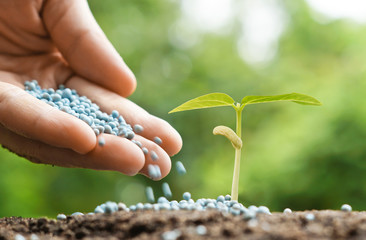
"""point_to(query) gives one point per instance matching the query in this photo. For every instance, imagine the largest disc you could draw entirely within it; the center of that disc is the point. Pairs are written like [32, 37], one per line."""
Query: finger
[162, 160]
[118, 154]
[85, 47]
[133, 114]
[26, 115]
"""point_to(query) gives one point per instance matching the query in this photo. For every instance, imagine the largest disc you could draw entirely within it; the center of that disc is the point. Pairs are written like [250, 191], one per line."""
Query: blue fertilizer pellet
[287, 211]
[171, 235]
[346, 208]
[130, 135]
[56, 97]
[153, 155]
[138, 143]
[107, 129]
[122, 206]
[96, 131]
[164, 206]
[220, 198]
[162, 200]
[310, 217]
[150, 194]
[253, 208]
[110, 207]
[201, 230]
[34, 237]
[157, 140]
[101, 141]
[138, 128]
[166, 190]
[186, 196]
[132, 207]
[227, 197]
[77, 214]
[139, 206]
[154, 171]
[158, 172]
[19, 237]
[145, 151]
[148, 206]
[99, 209]
[115, 114]
[61, 216]
[263, 209]
[249, 214]
[180, 168]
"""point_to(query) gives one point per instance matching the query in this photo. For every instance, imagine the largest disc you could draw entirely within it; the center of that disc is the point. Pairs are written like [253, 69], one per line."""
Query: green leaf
[293, 97]
[206, 101]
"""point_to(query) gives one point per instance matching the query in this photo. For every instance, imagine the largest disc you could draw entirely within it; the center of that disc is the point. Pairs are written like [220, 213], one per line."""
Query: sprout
[222, 99]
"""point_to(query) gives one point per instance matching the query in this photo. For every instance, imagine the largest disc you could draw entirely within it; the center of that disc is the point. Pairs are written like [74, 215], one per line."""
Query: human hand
[59, 42]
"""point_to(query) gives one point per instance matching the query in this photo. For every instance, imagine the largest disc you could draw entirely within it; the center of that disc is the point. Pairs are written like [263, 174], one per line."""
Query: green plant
[222, 99]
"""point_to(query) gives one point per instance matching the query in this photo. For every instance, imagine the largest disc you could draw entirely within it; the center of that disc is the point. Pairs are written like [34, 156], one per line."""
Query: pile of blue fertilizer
[222, 203]
[69, 101]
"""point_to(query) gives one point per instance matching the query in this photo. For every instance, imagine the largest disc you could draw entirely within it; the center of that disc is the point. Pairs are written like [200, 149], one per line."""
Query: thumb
[85, 47]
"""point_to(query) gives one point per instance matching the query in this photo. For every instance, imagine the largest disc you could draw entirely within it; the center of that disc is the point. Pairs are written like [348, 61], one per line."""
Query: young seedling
[222, 99]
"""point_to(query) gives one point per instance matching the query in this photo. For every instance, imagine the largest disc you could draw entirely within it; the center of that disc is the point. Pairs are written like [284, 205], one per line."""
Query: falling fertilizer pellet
[158, 172]
[180, 168]
[150, 194]
[166, 190]
[154, 171]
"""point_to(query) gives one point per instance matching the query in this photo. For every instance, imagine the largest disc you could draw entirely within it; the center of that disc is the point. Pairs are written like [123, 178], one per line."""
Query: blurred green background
[294, 156]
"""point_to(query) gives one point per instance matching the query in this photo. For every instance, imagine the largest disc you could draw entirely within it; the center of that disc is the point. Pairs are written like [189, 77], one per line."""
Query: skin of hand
[59, 42]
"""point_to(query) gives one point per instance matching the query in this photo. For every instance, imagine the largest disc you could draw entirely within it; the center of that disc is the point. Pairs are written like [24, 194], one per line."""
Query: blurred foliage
[294, 156]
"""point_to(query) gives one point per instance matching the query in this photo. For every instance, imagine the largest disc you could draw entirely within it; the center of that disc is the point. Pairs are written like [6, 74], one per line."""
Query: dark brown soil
[153, 224]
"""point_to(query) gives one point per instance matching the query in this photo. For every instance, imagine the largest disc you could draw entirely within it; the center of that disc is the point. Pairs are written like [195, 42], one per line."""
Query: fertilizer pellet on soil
[346, 208]
[19, 237]
[287, 210]
[310, 217]
[202, 204]
[61, 216]
[186, 196]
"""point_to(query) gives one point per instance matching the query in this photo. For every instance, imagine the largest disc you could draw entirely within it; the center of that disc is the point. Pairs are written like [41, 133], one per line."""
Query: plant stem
[235, 184]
